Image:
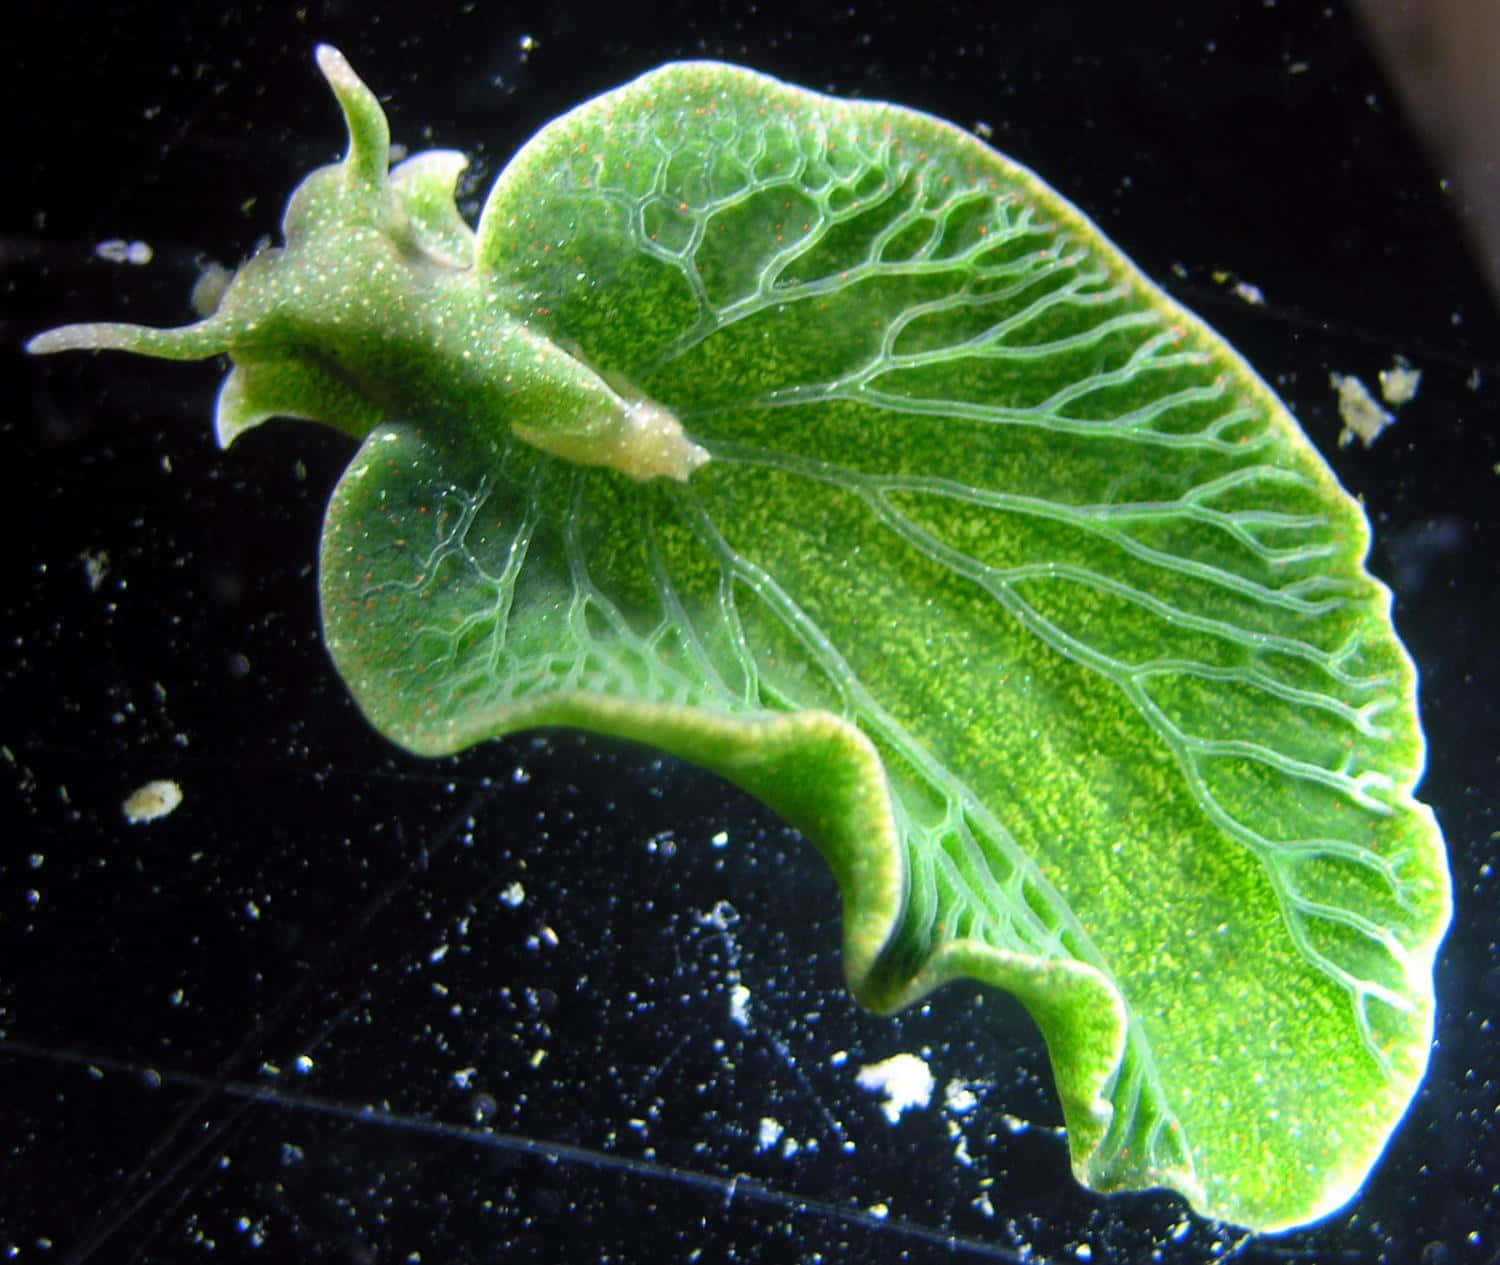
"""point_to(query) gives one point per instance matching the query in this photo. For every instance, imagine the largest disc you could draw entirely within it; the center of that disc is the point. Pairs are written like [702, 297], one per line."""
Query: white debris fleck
[959, 1098]
[512, 894]
[119, 251]
[152, 801]
[769, 1134]
[1244, 291]
[95, 568]
[961, 1155]
[1363, 418]
[879, 1211]
[739, 1005]
[983, 130]
[1399, 383]
[904, 1079]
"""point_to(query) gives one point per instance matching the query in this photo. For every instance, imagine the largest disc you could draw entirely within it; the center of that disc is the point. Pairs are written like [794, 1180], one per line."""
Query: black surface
[321, 894]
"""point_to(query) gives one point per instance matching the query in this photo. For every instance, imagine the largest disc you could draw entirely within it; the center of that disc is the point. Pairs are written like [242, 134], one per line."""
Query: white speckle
[513, 894]
[1363, 418]
[95, 567]
[983, 129]
[302, 1065]
[1399, 383]
[118, 251]
[904, 1079]
[961, 1154]
[879, 1211]
[152, 802]
[720, 840]
[739, 1005]
[1083, 1252]
[463, 1077]
[768, 1135]
[1248, 293]
[722, 916]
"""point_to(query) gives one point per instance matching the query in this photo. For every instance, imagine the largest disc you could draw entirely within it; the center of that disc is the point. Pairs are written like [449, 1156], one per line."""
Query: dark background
[320, 894]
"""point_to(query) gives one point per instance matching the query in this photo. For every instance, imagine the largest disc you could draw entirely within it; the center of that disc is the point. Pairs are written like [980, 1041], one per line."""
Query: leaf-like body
[822, 446]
